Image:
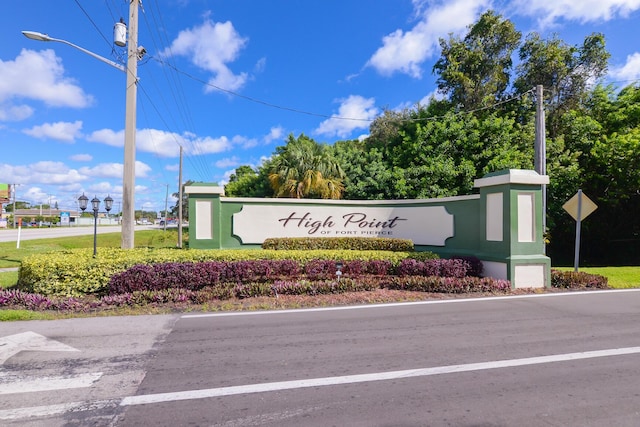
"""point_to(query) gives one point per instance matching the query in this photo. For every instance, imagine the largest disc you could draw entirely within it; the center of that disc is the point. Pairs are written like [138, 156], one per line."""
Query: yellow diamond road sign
[587, 206]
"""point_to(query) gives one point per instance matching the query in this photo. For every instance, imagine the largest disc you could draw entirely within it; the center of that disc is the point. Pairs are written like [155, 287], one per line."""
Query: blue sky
[230, 80]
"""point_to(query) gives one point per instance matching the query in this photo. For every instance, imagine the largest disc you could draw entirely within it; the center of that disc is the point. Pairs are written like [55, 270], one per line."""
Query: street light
[34, 35]
[133, 55]
[95, 206]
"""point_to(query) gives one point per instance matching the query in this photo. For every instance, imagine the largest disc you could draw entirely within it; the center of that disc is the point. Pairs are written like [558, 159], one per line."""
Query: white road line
[50, 410]
[402, 304]
[381, 376]
[18, 384]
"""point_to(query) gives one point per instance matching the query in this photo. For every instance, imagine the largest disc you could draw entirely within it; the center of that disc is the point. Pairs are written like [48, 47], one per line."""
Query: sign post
[579, 207]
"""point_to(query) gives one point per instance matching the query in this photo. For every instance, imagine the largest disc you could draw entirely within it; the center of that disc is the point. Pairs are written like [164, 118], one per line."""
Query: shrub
[78, 273]
[475, 267]
[320, 269]
[453, 267]
[339, 243]
[423, 255]
[23, 299]
[433, 267]
[446, 284]
[577, 280]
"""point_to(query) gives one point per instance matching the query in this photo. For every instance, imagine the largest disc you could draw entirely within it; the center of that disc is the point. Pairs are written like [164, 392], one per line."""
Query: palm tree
[305, 169]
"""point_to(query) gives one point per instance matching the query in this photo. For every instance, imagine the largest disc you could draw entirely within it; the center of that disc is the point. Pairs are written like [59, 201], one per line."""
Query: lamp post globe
[82, 202]
[95, 204]
[108, 203]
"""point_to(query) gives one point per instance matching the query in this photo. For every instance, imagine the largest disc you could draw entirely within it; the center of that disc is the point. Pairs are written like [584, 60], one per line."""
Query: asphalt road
[542, 360]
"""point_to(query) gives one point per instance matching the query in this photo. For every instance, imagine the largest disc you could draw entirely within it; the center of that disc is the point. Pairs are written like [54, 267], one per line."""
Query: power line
[255, 100]
[93, 23]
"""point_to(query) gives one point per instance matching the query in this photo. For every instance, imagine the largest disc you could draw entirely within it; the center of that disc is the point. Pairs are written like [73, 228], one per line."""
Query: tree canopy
[484, 123]
[304, 168]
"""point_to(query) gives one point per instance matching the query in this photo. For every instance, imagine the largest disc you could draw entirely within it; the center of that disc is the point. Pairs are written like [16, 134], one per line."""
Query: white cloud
[15, 113]
[244, 142]
[629, 71]
[101, 188]
[82, 157]
[228, 162]
[275, 134]
[159, 142]
[211, 46]
[548, 12]
[355, 112]
[108, 137]
[405, 51]
[46, 82]
[260, 65]
[48, 172]
[114, 170]
[162, 143]
[209, 145]
[61, 131]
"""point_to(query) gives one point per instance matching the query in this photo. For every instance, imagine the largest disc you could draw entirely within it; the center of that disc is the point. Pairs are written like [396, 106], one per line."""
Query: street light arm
[33, 35]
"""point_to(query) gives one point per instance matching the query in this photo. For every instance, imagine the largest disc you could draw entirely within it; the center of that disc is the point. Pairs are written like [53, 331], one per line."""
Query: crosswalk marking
[19, 384]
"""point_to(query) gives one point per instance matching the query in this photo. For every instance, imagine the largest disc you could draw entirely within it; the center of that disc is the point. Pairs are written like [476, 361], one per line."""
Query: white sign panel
[424, 225]
[64, 218]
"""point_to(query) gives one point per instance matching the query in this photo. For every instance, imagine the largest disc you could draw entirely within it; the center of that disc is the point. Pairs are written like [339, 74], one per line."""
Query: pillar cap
[511, 176]
[203, 188]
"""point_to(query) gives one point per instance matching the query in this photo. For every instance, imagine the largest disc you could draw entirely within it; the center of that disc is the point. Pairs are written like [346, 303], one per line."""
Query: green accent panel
[215, 242]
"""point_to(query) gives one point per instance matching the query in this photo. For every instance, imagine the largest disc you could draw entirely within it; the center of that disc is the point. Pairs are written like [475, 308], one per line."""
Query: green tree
[248, 182]
[305, 169]
[474, 72]
[367, 175]
[564, 71]
[601, 143]
[19, 205]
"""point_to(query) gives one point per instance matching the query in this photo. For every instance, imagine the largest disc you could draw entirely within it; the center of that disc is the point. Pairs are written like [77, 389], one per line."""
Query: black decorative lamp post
[95, 205]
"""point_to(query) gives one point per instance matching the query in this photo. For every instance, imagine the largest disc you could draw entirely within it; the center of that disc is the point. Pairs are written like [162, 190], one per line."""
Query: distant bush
[577, 280]
[339, 243]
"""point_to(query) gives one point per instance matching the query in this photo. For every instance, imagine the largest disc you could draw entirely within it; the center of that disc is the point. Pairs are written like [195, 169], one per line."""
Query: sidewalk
[4, 270]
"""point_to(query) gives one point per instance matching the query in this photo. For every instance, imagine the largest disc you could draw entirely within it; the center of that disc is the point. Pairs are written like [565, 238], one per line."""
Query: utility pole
[540, 148]
[128, 180]
[180, 202]
[13, 187]
[166, 202]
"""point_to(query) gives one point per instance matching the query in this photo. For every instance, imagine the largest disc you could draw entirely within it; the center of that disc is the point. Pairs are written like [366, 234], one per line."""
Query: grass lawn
[618, 277]
[10, 256]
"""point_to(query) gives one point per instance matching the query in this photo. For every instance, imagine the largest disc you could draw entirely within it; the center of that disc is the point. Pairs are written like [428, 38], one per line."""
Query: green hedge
[339, 243]
[77, 272]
